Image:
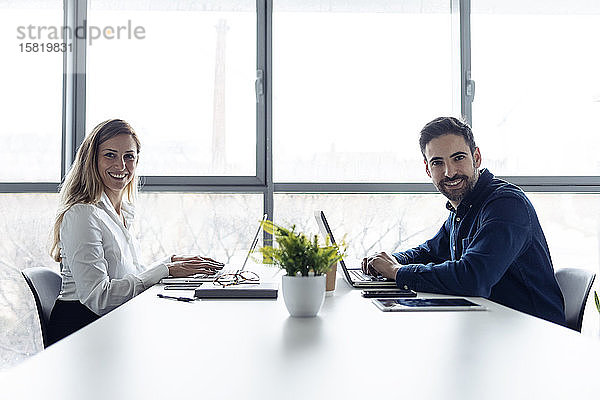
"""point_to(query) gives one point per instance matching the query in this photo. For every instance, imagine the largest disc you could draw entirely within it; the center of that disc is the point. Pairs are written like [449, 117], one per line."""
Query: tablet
[422, 304]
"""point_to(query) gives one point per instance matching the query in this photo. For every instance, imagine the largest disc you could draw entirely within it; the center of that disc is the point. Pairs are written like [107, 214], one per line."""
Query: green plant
[596, 300]
[297, 253]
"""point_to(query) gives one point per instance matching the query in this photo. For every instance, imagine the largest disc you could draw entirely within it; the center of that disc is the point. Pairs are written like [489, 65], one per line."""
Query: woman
[99, 259]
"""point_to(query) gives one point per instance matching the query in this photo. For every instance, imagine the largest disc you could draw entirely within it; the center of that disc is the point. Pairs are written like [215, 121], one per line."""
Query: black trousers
[68, 317]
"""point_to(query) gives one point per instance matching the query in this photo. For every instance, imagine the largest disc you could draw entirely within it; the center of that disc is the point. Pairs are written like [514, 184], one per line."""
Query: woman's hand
[181, 266]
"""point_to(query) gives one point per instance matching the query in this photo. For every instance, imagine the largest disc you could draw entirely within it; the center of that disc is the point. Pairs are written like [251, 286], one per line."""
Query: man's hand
[181, 266]
[380, 264]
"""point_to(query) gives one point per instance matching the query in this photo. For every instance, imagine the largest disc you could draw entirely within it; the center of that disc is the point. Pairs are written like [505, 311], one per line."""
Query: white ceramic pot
[303, 295]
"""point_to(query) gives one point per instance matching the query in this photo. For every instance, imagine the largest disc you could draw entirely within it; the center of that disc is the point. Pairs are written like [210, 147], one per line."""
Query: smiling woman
[98, 255]
[84, 183]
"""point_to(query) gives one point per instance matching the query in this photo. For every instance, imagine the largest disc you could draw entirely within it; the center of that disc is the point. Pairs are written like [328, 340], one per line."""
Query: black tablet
[422, 304]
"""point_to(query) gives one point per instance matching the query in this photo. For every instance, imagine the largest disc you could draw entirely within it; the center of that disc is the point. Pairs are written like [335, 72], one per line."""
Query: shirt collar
[127, 209]
[485, 177]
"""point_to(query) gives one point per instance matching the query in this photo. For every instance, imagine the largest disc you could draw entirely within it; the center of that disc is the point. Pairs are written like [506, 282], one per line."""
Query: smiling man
[491, 245]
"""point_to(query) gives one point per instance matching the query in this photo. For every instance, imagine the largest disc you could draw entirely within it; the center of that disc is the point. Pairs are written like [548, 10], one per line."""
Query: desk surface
[251, 349]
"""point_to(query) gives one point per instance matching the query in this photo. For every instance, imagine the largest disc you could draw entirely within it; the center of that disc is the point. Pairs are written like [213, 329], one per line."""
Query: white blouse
[100, 265]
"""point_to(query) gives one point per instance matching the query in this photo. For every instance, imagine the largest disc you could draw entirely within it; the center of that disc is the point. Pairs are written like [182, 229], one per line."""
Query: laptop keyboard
[214, 275]
[365, 278]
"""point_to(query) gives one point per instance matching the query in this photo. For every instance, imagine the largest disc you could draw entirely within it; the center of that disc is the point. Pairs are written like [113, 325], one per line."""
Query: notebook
[242, 291]
[354, 276]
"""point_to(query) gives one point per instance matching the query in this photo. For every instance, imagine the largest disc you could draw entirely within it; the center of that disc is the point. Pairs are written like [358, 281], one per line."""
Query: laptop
[354, 276]
[200, 278]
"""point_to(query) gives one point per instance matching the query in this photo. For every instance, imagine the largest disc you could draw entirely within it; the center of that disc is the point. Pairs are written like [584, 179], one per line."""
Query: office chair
[575, 285]
[45, 285]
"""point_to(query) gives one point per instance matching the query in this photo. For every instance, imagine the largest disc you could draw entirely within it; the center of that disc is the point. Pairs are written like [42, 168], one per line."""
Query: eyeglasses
[236, 278]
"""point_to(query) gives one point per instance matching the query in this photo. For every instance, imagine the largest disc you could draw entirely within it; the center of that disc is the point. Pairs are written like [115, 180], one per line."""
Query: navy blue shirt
[491, 246]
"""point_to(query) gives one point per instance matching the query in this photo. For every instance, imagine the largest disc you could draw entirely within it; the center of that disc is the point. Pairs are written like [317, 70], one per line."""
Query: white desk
[159, 349]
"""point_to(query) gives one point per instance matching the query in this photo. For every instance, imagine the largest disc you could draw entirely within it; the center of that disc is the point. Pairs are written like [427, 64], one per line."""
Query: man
[491, 245]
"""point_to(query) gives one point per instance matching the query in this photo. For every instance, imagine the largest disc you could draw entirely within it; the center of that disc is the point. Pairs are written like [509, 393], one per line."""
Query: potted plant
[305, 262]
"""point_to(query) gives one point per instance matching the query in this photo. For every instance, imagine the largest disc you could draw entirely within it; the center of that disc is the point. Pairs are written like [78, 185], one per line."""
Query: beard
[464, 187]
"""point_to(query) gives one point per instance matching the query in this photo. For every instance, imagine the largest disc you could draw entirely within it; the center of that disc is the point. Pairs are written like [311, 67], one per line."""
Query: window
[26, 221]
[182, 74]
[218, 225]
[571, 223]
[369, 222]
[353, 86]
[538, 88]
[31, 82]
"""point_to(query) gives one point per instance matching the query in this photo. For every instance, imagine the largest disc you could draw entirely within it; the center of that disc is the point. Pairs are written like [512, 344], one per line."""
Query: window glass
[217, 225]
[31, 74]
[538, 89]
[353, 84]
[369, 222]
[571, 223]
[26, 221]
[182, 73]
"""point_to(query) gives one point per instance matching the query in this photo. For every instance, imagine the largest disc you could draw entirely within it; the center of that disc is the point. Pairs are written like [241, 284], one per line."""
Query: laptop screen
[379, 281]
[326, 230]
[254, 242]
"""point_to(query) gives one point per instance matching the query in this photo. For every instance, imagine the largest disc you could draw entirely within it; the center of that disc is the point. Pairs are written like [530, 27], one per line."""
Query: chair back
[575, 285]
[45, 285]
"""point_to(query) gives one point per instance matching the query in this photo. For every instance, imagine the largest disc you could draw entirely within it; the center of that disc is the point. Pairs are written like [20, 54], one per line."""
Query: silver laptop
[200, 278]
[354, 276]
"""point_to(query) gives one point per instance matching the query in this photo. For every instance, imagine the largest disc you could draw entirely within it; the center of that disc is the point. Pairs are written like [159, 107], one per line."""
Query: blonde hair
[83, 183]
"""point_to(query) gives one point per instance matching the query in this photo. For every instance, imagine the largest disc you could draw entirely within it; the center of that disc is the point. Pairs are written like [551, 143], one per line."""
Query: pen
[186, 299]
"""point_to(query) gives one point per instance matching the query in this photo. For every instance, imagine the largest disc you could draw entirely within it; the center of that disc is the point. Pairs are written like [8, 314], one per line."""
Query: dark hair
[443, 126]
